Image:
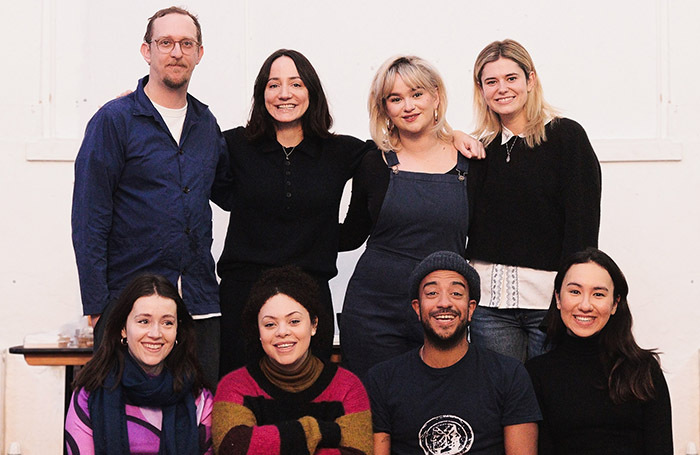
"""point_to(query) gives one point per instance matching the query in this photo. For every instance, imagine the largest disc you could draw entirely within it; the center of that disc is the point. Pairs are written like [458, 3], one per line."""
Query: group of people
[424, 370]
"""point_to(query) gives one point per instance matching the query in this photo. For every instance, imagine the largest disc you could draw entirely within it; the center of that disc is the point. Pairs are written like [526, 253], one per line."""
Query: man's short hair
[172, 10]
[445, 260]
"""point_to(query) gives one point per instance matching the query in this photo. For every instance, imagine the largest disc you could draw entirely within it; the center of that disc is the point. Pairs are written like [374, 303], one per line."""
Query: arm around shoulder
[468, 146]
[368, 184]
[222, 188]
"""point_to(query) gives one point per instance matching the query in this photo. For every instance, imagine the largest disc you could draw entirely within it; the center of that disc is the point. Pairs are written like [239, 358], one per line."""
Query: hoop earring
[389, 126]
[124, 341]
[435, 115]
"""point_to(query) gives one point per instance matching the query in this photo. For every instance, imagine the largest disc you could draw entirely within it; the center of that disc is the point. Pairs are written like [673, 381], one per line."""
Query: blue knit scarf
[179, 433]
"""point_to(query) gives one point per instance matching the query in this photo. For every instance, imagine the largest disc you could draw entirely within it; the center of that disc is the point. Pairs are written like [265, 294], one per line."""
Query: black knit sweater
[579, 418]
[539, 207]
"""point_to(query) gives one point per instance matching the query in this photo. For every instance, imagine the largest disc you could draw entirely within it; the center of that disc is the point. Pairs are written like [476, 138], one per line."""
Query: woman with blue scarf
[143, 391]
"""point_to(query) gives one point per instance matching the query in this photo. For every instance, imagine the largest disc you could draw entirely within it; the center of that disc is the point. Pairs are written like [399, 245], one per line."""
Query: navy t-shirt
[455, 410]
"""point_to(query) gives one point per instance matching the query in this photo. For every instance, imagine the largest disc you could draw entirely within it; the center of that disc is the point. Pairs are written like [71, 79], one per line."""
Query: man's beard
[175, 85]
[446, 343]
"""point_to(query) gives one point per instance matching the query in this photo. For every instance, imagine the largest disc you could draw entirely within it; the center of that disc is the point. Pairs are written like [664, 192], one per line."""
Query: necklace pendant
[288, 153]
[510, 149]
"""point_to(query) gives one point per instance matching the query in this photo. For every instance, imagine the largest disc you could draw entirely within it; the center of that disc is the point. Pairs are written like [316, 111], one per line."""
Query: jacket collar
[144, 106]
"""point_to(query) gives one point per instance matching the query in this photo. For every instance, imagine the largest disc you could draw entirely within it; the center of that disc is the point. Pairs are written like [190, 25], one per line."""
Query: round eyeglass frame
[169, 48]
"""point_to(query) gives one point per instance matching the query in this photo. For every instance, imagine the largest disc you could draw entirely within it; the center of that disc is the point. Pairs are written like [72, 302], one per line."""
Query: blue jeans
[512, 332]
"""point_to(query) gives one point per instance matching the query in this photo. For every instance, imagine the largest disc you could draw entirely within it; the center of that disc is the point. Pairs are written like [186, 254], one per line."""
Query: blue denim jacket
[141, 201]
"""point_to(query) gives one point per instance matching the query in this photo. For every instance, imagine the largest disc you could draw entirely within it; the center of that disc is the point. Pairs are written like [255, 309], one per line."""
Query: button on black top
[276, 224]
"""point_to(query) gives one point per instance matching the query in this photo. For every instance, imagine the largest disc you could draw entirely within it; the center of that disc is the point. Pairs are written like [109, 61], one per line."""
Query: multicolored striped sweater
[254, 417]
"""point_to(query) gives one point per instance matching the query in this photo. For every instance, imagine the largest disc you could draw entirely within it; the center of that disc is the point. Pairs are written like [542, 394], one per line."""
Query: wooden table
[54, 356]
[67, 357]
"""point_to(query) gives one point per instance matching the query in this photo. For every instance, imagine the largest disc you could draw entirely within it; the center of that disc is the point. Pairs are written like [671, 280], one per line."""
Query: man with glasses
[144, 175]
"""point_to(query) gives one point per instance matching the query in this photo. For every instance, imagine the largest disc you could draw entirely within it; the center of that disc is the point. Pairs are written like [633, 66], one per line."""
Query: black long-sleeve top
[369, 187]
[286, 212]
[541, 206]
[579, 418]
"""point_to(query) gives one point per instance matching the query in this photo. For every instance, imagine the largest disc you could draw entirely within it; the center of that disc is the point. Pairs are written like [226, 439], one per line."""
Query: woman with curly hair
[288, 400]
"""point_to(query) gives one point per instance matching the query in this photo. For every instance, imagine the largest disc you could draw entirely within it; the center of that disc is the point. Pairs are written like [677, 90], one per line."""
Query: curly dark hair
[288, 280]
[628, 366]
[181, 362]
[316, 121]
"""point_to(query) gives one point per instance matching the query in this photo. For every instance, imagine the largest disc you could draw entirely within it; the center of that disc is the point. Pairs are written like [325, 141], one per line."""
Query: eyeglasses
[187, 45]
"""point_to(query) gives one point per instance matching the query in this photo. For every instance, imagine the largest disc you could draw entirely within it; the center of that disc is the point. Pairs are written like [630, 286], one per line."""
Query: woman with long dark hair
[287, 400]
[143, 391]
[289, 172]
[598, 391]
[534, 200]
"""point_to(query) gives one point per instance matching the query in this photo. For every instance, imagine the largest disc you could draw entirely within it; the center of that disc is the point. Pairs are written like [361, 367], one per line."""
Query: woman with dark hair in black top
[599, 392]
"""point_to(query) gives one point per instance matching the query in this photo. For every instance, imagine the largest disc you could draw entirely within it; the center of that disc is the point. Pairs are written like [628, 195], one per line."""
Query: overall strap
[462, 166]
[391, 160]
[462, 163]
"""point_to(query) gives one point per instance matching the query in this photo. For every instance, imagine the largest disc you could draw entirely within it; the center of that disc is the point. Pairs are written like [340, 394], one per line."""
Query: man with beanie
[450, 397]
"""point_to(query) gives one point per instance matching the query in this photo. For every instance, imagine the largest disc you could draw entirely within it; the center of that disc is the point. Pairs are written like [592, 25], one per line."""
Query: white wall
[625, 70]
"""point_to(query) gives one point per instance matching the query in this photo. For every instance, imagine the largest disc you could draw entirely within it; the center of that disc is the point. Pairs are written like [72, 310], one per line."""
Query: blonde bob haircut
[537, 110]
[416, 73]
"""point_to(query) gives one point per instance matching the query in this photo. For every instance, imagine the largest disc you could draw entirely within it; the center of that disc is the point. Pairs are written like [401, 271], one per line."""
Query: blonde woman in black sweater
[534, 200]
